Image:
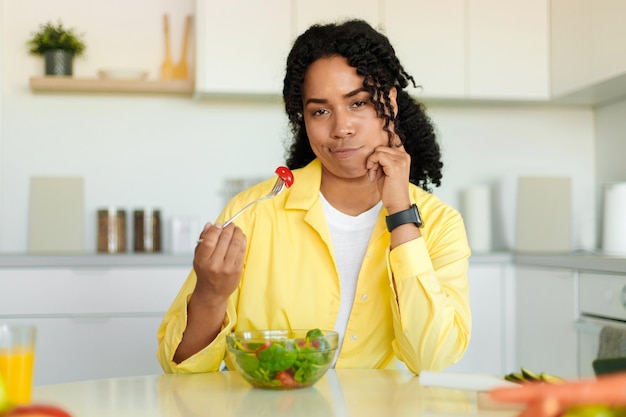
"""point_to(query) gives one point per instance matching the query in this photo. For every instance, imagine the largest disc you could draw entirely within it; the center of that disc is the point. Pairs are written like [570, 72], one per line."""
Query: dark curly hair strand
[371, 53]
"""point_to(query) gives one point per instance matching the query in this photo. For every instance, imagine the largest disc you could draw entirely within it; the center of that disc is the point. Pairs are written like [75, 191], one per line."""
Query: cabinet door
[571, 41]
[609, 31]
[486, 352]
[546, 315]
[90, 347]
[588, 57]
[429, 38]
[242, 46]
[508, 49]
[92, 322]
[89, 290]
[308, 12]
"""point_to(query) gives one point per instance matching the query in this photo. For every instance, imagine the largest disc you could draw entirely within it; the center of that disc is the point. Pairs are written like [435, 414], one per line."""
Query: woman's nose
[342, 125]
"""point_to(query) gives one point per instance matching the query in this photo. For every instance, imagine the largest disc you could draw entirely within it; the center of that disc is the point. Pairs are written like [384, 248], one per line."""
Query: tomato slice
[286, 378]
[285, 174]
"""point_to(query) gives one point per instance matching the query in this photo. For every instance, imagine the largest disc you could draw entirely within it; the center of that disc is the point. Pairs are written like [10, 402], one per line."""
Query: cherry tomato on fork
[285, 174]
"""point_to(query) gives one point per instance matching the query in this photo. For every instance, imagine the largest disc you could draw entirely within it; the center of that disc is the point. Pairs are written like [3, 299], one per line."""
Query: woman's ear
[393, 94]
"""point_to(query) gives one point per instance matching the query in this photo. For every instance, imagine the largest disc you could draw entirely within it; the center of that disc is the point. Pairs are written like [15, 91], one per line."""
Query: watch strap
[410, 215]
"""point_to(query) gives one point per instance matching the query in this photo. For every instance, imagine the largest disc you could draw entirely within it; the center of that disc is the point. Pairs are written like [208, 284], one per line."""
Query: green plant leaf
[51, 36]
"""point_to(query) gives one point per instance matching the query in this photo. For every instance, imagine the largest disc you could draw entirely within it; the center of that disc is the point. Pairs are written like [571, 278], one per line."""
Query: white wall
[131, 150]
[174, 152]
[610, 149]
[494, 144]
[611, 142]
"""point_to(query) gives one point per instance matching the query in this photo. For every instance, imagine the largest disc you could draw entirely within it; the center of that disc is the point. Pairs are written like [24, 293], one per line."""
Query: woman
[344, 248]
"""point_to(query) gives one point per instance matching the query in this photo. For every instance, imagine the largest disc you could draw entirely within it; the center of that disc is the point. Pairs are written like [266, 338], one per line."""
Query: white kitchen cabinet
[490, 347]
[85, 347]
[588, 57]
[609, 31]
[507, 49]
[242, 46]
[328, 11]
[546, 314]
[473, 49]
[571, 41]
[92, 322]
[429, 39]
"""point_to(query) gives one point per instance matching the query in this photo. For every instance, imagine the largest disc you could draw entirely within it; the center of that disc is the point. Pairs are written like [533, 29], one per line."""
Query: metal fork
[276, 189]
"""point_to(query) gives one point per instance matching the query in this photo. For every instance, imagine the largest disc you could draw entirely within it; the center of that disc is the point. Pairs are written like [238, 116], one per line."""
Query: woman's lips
[344, 152]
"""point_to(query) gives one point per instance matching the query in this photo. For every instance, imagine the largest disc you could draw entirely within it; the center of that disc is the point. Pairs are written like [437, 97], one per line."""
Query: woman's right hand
[218, 261]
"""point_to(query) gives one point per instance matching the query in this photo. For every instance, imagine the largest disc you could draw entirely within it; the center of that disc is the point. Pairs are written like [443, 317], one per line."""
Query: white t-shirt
[350, 236]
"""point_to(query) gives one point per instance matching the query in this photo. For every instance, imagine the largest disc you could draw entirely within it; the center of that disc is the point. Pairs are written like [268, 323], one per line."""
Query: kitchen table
[341, 392]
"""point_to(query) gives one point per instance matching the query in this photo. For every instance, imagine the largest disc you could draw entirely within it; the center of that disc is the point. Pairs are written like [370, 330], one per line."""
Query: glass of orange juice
[17, 359]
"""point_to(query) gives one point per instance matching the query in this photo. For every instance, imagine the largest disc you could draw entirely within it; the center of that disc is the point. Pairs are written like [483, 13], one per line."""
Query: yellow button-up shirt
[290, 280]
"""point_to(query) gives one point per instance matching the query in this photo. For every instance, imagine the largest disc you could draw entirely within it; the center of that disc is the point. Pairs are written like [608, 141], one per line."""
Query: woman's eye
[359, 104]
[319, 112]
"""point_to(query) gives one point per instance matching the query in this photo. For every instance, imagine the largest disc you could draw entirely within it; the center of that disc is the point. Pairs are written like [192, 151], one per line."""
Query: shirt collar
[306, 186]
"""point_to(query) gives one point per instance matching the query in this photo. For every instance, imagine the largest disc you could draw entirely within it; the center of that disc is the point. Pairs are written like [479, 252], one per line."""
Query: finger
[386, 152]
[223, 243]
[208, 240]
[386, 160]
[207, 227]
[236, 252]
[372, 172]
[204, 229]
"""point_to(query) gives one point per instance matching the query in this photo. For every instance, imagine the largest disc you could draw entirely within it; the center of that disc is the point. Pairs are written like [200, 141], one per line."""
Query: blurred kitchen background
[528, 96]
[498, 78]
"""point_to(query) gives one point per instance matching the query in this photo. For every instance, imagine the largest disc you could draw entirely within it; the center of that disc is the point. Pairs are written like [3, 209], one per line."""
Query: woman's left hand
[390, 168]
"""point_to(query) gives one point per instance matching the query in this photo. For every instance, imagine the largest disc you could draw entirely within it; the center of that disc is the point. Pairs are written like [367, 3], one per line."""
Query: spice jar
[147, 230]
[111, 230]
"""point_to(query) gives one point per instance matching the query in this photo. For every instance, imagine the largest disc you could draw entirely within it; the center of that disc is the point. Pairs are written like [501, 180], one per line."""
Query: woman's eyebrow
[347, 95]
[355, 92]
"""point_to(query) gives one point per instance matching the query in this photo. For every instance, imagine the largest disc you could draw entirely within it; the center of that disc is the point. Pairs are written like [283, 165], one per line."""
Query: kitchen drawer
[88, 290]
[603, 295]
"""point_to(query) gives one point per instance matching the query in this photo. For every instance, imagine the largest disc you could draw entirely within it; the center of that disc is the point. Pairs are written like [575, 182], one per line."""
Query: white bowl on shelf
[122, 74]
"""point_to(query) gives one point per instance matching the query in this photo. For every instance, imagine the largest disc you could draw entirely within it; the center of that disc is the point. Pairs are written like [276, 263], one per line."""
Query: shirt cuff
[410, 259]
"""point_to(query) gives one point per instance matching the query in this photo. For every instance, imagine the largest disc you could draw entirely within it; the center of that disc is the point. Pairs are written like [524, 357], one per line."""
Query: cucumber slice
[551, 378]
[530, 375]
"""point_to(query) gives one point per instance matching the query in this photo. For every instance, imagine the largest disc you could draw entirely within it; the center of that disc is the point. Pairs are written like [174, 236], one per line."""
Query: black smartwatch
[410, 215]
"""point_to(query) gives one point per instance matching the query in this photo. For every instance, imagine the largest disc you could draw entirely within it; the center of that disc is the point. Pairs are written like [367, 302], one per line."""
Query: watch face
[419, 217]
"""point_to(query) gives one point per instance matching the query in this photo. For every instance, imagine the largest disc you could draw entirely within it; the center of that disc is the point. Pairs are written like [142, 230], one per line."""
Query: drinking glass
[17, 359]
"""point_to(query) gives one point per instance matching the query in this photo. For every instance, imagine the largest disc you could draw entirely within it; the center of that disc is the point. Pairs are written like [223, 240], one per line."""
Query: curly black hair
[374, 58]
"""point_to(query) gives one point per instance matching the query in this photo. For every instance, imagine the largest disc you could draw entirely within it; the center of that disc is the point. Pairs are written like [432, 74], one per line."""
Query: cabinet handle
[624, 296]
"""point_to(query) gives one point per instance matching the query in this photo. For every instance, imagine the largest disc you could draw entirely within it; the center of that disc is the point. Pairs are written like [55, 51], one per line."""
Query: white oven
[602, 302]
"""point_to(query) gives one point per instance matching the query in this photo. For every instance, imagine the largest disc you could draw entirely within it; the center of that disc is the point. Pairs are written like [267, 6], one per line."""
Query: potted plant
[59, 45]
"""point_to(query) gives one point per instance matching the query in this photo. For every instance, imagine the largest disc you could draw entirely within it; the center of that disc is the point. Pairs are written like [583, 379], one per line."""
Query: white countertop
[152, 259]
[577, 260]
[584, 261]
[95, 259]
[344, 392]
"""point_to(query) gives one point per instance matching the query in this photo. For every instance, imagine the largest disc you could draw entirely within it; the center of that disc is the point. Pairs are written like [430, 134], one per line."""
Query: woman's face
[340, 119]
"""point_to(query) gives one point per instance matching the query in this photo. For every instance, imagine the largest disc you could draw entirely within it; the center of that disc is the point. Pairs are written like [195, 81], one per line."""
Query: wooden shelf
[71, 84]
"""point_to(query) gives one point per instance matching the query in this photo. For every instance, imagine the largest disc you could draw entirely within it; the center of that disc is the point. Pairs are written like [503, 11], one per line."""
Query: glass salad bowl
[282, 359]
